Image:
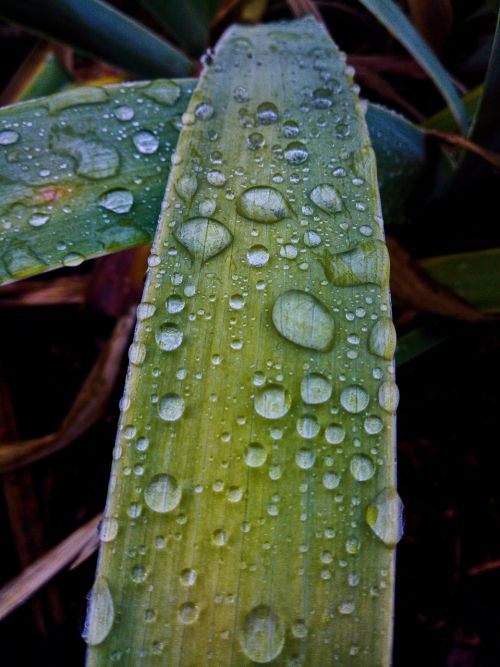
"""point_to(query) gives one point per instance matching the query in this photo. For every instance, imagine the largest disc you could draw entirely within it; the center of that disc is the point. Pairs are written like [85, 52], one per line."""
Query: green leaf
[39, 75]
[76, 219]
[444, 121]
[252, 514]
[187, 21]
[422, 339]
[389, 14]
[82, 172]
[94, 27]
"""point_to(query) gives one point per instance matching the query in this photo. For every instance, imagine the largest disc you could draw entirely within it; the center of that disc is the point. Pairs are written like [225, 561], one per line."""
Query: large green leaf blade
[252, 514]
[187, 21]
[96, 28]
[82, 172]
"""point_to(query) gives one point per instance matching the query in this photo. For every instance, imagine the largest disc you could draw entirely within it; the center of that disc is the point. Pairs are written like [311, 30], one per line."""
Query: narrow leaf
[389, 14]
[187, 21]
[252, 508]
[96, 28]
[57, 214]
[422, 339]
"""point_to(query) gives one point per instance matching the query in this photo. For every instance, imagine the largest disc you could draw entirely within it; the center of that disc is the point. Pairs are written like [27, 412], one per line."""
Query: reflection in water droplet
[203, 238]
[262, 204]
[8, 137]
[296, 152]
[118, 201]
[388, 396]
[272, 402]
[257, 256]
[168, 336]
[262, 635]
[146, 142]
[171, 407]
[382, 340]
[100, 614]
[267, 113]
[362, 468]
[163, 493]
[326, 198]
[255, 455]
[385, 517]
[188, 613]
[354, 399]
[304, 320]
[368, 262]
[315, 388]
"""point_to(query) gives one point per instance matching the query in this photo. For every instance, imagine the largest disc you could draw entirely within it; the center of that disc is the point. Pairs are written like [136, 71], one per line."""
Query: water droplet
[361, 467]
[236, 301]
[312, 239]
[234, 494]
[315, 388]
[204, 111]
[188, 613]
[330, 480]
[290, 129]
[346, 608]
[255, 141]
[38, 220]
[334, 434]
[308, 427]
[382, 340]
[305, 458]
[203, 238]
[216, 178]
[124, 113]
[272, 402]
[326, 198]
[368, 262]
[94, 160]
[299, 629]
[385, 517]
[76, 97]
[388, 396]
[219, 538]
[171, 407]
[267, 113]
[145, 311]
[373, 424]
[262, 204]
[288, 251]
[163, 493]
[255, 455]
[296, 152]
[118, 201]
[163, 92]
[188, 577]
[186, 187]
[262, 635]
[354, 399]
[101, 613]
[258, 255]
[108, 529]
[304, 320]
[175, 304]
[322, 98]
[240, 94]
[169, 337]
[8, 137]
[146, 142]
[137, 353]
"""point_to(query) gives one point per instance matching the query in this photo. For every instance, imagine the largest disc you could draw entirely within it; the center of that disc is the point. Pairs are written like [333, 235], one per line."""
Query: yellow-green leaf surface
[252, 515]
[82, 172]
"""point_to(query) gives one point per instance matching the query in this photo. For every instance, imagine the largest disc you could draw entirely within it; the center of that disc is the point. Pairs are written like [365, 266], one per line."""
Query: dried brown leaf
[66, 290]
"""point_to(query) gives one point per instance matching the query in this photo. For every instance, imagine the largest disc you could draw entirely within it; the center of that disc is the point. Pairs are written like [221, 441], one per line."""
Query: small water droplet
[257, 256]
[354, 399]
[296, 152]
[373, 424]
[175, 304]
[124, 113]
[331, 480]
[272, 402]
[388, 396]
[137, 353]
[146, 142]
[38, 220]
[368, 262]
[382, 340]
[361, 467]
[255, 455]
[186, 187]
[262, 635]
[312, 239]
[108, 529]
[118, 201]
[236, 301]
[299, 630]
[290, 129]
[219, 538]
[73, 259]
[204, 111]
[304, 320]
[188, 577]
[240, 94]
[288, 251]
[145, 311]
[255, 140]
[305, 458]
[163, 493]
[8, 137]
[385, 517]
[334, 434]
[169, 337]
[262, 204]
[216, 178]
[163, 92]
[315, 388]
[171, 407]
[267, 113]
[308, 427]
[203, 238]
[326, 198]
[188, 613]
[101, 613]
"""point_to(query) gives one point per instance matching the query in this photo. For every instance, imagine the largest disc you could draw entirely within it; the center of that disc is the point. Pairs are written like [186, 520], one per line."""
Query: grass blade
[102, 159]
[422, 339]
[389, 14]
[77, 225]
[98, 29]
[187, 21]
[252, 511]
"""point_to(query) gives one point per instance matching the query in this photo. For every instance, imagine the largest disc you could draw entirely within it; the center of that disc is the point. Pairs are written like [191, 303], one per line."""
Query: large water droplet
[108, 529]
[257, 256]
[76, 97]
[382, 340]
[304, 320]
[354, 399]
[8, 137]
[262, 635]
[137, 353]
[163, 92]
[368, 262]
[255, 455]
[171, 407]
[101, 613]
[146, 142]
[187, 186]
[385, 517]
[315, 388]
[94, 160]
[388, 396]
[267, 113]
[272, 402]
[118, 201]
[262, 204]
[296, 152]
[163, 493]
[168, 336]
[203, 237]
[361, 467]
[326, 198]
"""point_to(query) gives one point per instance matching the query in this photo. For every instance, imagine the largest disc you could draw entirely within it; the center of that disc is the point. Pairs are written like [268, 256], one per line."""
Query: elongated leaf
[389, 14]
[54, 215]
[422, 339]
[187, 21]
[444, 121]
[82, 172]
[252, 513]
[94, 27]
